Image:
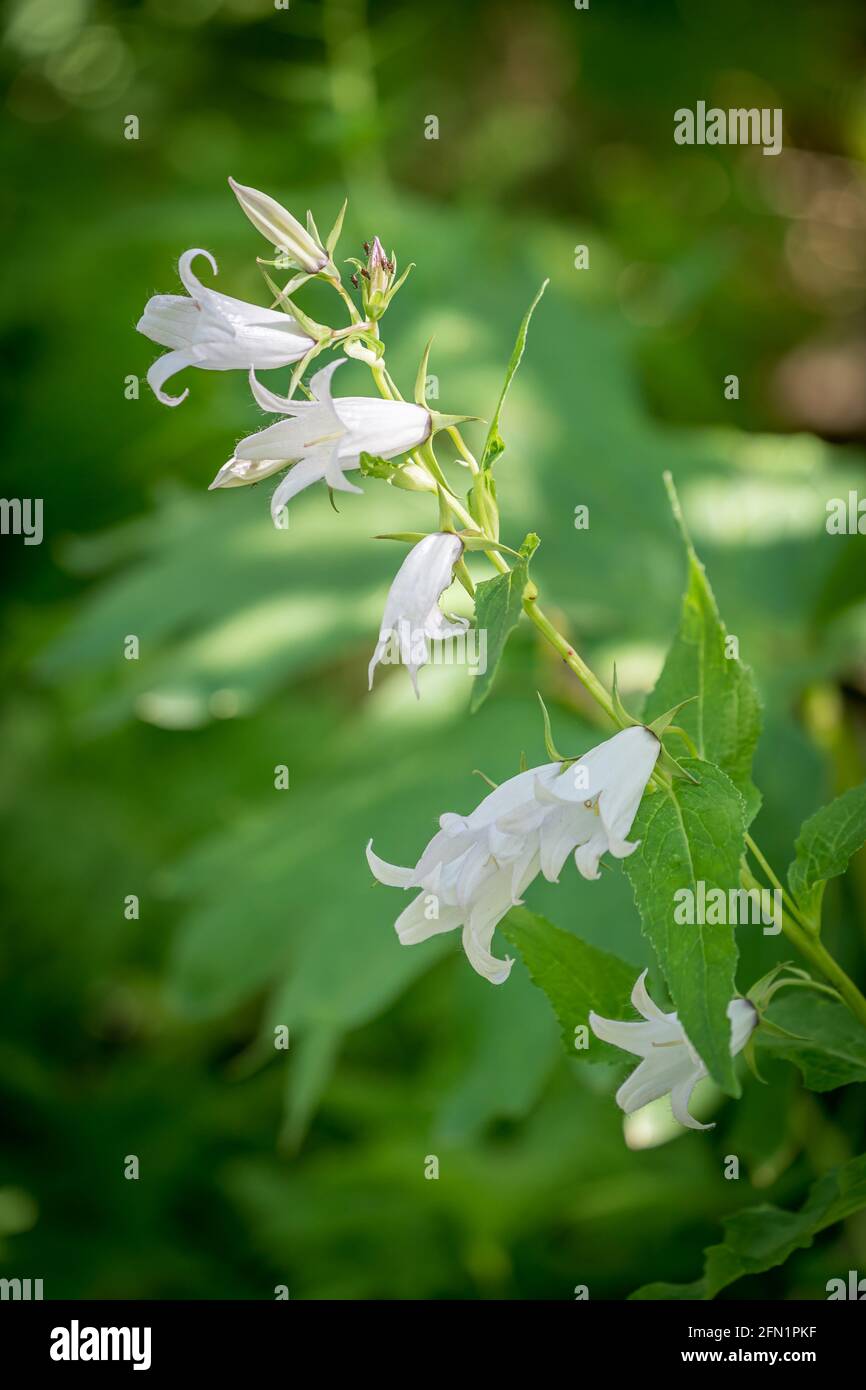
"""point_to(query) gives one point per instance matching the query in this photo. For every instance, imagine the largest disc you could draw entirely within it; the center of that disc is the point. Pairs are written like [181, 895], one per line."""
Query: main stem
[804, 937]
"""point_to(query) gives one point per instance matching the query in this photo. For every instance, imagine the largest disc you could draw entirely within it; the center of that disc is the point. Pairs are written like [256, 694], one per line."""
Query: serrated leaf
[575, 976]
[494, 445]
[498, 605]
[828, 1044]
[763, 1237]
[824, 846]
[691, 832]
[725, 719]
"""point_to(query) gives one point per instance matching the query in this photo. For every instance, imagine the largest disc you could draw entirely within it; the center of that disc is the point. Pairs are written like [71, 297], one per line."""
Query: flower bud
[281, 229]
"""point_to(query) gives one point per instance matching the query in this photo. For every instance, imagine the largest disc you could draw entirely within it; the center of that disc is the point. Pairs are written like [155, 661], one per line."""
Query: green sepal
[302, 366]
[408, 537]
[777, 1031]
[752, 1061]
[334, 233]
[397, 283]
[659, 726]
[421, 378]
[483, 505]
[552, 753]
[445, 422]
[462, 575]
[476, 540]
[313, 229]
[318, 331]
[667, 761]
[623, 718]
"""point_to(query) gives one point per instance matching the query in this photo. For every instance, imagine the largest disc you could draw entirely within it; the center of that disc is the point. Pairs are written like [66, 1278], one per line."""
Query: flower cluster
[322, 437]
[477, 866]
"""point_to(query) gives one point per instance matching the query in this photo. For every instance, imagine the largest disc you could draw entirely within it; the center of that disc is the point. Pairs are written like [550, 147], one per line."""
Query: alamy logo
[713, 907]
[22, 516]
[76, 1343]
[846, 516]
[737, 126]
[854, 1289]
[23, 1289]
[411, 647]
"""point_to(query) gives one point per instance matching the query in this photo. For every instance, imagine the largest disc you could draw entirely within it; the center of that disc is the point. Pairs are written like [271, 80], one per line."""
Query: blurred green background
[155, 777]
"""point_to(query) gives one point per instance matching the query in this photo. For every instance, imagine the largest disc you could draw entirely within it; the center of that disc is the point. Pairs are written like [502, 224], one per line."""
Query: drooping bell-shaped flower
[204, 328]
[281, 229]
[610, 779]
[669, 1064]
[412, 614]
[477, 866]
[322, 439]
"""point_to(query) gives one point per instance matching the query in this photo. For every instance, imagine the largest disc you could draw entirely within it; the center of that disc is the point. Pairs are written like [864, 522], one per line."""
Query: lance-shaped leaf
[691, 832]
[724, 721]
[494, 444]
[824, 846]
[575, 976]
[763, 1237]
[498, 605]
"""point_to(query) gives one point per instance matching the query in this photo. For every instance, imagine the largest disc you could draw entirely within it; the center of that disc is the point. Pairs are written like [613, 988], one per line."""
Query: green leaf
[725, 719]
[826, 842]
[498, 605]
[575, 976]
[688, 833]
[494, 445]
[763, 1237]
[829, 1045]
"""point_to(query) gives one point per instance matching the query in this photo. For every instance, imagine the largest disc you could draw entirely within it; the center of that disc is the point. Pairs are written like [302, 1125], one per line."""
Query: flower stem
[817, 954]
[786, 896]
[801, 933]
[575, 663]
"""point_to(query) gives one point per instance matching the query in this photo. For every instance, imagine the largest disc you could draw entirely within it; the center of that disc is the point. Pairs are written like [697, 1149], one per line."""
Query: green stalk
[817, 954]
[800, 933]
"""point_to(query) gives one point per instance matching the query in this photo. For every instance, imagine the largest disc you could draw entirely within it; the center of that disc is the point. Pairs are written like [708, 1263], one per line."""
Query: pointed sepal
[662, 723]
[552, 753]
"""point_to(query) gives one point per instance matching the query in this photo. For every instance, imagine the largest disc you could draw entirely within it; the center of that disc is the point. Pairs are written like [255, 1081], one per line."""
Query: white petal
[659, 1072]
[320, 384]
[681, 1094]
[743, 1018]
[165, 367]
[278, 405]
[423, 576]
[238, 472]
[190, 280]
[170, 320]
[391, 874]
[283, 440]
[382, 428]
[425, 917]
[587, 855]
[638, 1038]
[301, 476]
[334, 475]
[481, 960]
[644, 1004]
